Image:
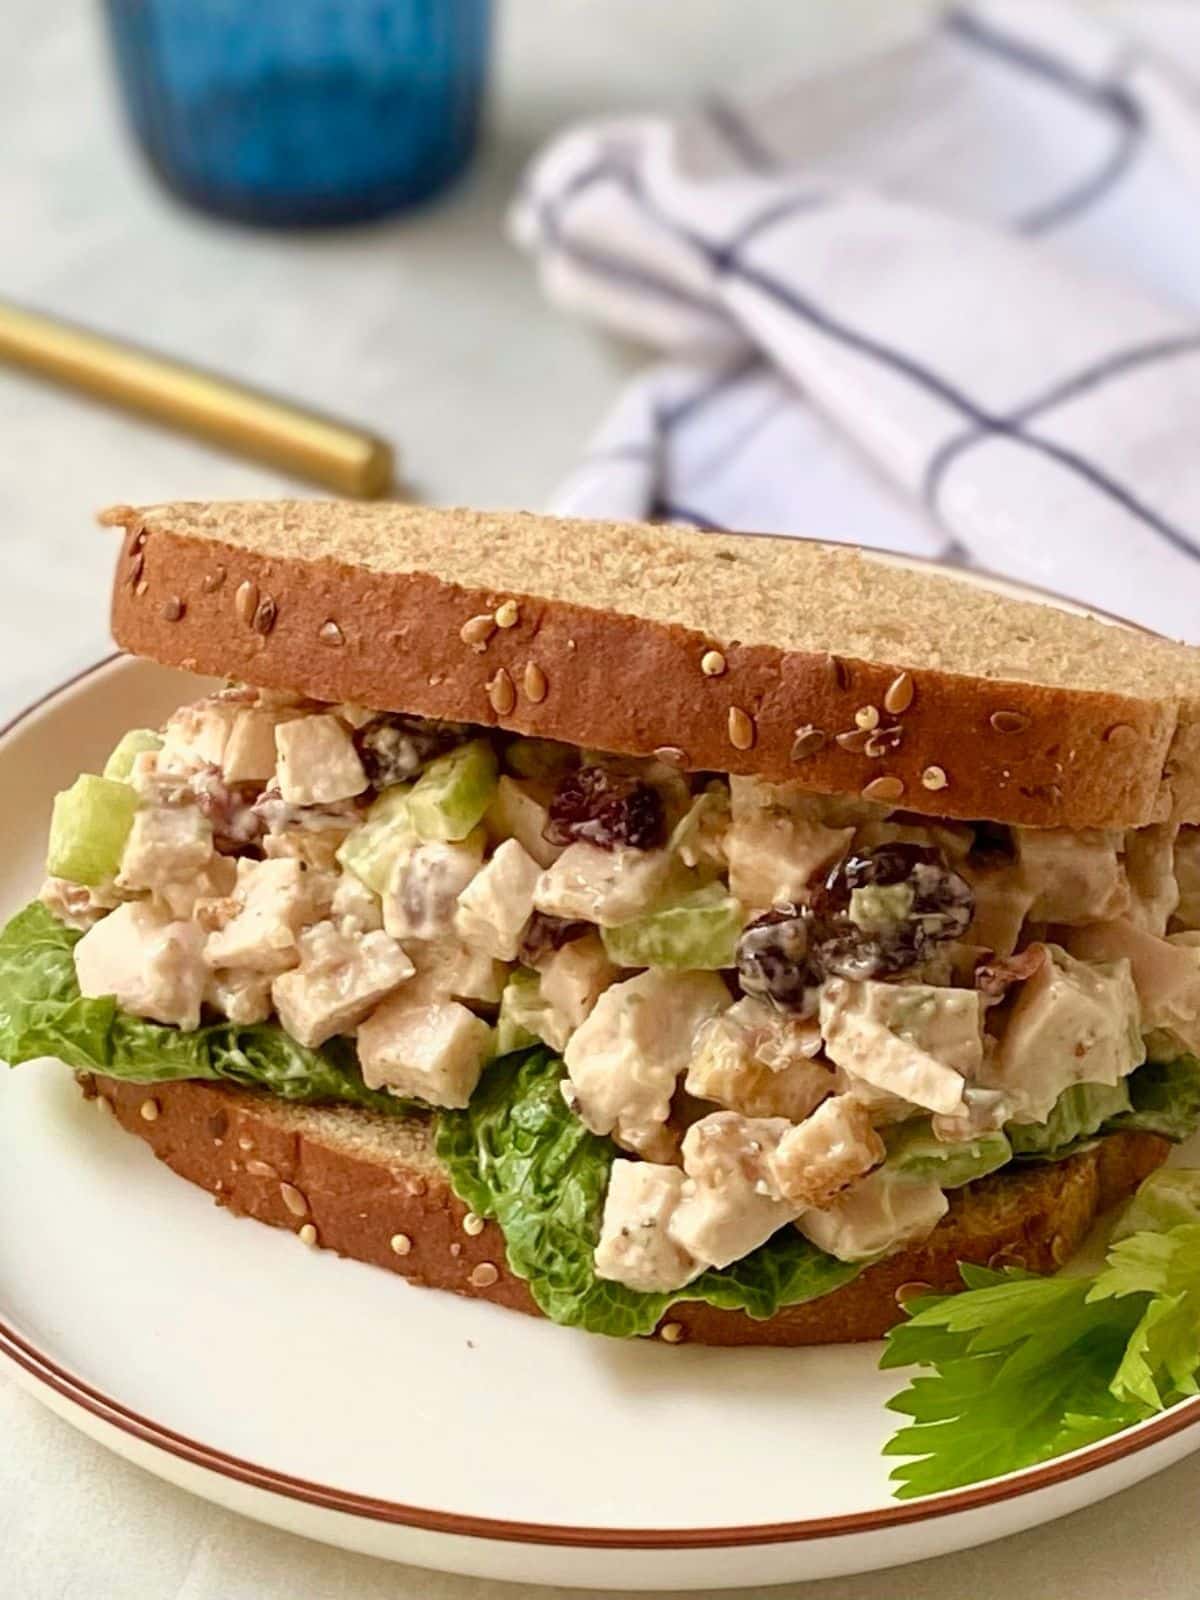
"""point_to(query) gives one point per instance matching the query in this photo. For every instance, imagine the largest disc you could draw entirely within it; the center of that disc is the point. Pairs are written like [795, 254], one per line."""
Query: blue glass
[303, 111]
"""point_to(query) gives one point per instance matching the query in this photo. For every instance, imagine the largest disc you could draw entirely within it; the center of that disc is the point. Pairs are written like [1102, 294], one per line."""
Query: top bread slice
[733, 653]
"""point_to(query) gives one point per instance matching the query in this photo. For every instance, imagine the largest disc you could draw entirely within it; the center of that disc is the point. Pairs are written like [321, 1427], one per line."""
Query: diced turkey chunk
[355, 908]
[273, 900]
[729, 1204]
[196, 735]
[1072, 1022]
[827, 1151]
[575, 976]
[455, 972]
[635, 1247]
[250, 755]
[1187, 876]
[755, 1060]
[426, 881]
[777, 842]
[625, 1059]
[152, 966]
[520, 811]
[422, 1047]
[1166, 975]
[166, 844]
[913, 1040]
[1150, 869]
[78, 905]
[1075, 877]
[876, 1216]
[215, 882]
[604, 886]
[317, 762]
[497, 903]
[244, 997]
[1003, 897]
[339, 980]
[884, 1108]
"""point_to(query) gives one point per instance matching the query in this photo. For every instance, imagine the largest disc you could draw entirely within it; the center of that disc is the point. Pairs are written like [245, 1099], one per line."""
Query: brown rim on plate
[39, 1366]
[466, 1525]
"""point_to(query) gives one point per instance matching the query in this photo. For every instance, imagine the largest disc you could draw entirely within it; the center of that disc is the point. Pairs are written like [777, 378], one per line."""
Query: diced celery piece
[698, 835]
[88, 829]
[918, 1156]
[520, 1005]
[450, 797]
[696, 934]
[137, 742]
[370, 852]
[540, 758]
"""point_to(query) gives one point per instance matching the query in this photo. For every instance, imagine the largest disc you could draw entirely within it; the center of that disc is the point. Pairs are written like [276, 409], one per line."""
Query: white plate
[331, 1399]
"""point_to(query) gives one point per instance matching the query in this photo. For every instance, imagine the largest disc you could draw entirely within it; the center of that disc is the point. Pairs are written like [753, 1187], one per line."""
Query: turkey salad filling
[786, 1010]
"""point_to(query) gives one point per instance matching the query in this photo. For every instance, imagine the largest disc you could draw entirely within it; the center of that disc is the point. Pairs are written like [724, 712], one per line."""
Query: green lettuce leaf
[1164, 1098]
[519, 1155]
[1161, 1097]
[1078, 1113]
[42, 1013]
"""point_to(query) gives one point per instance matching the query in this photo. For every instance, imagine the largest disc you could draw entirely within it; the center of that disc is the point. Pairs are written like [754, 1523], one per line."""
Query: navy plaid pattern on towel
[944, 301]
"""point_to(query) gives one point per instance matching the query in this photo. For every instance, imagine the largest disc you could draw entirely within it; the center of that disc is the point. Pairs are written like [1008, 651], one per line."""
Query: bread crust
[1014, 752]
[282, 1168]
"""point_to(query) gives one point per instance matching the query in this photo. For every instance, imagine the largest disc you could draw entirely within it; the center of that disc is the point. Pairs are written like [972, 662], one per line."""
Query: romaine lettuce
[1077, 1115]
[519, 1155]
[1164, 1098]
[42, 1013]
[1161, 1097]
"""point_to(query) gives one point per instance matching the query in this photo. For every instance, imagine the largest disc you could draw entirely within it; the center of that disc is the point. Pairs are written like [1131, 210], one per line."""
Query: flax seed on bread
[1006, 709]
[373, 1189]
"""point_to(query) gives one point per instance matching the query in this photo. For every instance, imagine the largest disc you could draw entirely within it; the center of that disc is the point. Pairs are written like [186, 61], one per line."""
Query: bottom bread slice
[372, 1188]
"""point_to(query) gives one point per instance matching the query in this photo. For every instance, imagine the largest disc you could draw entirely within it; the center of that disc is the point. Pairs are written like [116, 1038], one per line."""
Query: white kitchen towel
[945, 300]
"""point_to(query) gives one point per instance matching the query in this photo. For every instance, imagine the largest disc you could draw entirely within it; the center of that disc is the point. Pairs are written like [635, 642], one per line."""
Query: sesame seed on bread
[372, 1188]
[831, 667]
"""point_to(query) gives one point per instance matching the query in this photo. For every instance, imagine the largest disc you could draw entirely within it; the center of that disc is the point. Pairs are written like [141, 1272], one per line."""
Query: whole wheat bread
[740, 653]
[372, 1188]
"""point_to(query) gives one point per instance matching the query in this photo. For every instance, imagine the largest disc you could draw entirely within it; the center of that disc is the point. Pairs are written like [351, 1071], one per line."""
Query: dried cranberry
[545, 934]
[395, 748]
[606, 808]
[772, 959]
[934, 906]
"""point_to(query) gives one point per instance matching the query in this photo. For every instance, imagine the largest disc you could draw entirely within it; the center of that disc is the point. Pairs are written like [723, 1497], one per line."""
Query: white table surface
[431, 331]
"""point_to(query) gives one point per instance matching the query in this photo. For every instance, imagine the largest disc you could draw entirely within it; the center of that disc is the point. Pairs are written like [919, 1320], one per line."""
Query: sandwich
[665, 932]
